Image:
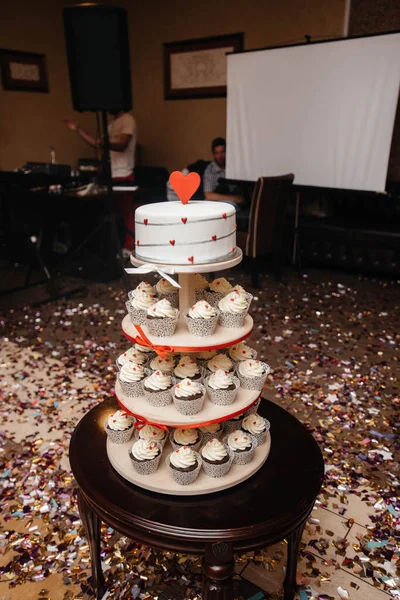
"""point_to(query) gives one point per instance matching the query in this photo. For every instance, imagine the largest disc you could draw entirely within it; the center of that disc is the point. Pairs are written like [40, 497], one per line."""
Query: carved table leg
[218, 569]
[92, 524]
[289, 585]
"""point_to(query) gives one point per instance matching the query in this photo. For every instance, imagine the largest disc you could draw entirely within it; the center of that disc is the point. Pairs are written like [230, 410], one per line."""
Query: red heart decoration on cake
[191, 259]
[184, 185]
[233, 249]
[184, 219]
[137, 243]
[214, 237]
[224, 216]
[145, 221]
[172, 242]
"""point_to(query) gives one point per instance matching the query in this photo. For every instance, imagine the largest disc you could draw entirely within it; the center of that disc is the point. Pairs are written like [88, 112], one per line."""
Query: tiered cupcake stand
[182, 341]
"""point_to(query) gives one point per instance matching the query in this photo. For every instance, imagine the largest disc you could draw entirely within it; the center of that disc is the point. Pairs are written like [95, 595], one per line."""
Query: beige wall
[31, 121]
[171, 133]
[176, 132]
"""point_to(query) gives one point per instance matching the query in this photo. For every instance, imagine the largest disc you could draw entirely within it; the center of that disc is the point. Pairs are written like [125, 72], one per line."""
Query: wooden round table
[272, 505]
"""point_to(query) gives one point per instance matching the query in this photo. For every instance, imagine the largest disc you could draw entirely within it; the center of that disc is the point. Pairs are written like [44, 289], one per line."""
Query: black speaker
[98, 57]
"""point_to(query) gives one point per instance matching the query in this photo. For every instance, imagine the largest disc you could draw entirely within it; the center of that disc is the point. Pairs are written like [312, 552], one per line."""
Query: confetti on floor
[332, 341]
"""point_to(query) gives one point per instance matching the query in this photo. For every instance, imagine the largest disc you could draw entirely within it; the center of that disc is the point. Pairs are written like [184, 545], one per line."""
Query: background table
[273, 504]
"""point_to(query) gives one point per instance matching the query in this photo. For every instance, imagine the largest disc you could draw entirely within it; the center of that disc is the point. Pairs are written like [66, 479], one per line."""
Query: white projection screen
[322, 111]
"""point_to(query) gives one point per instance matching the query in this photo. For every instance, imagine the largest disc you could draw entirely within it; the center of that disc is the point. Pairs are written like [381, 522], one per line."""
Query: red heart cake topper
[184, 185]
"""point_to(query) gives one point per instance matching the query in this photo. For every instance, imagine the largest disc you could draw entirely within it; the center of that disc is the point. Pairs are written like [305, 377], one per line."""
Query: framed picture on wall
[198, 68]
[23, 71]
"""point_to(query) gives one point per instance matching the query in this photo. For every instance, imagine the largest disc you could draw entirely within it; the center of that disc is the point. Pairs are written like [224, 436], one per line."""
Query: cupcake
[242, 446]
[145, 457]
[132, 355]
[151, 433]
[253, 408]
[256, 426]
[208, 432]
[188, 368]
[220, 361]
[184, 464]
[200, 285]
[166, 290]
[158, 389]
[189, 397]
[185, 437]
[144, 286]
[233, 423]
[240, 290]
[222, 387]
[162, 364]
[147, 350]
[252, 374]
[241, 351]
[119, 427]
[162, 319]
[217, 289]
[233, 310]
[137, 306]
[131, 378]
[204, 357]
[202, 319]
[217, 458]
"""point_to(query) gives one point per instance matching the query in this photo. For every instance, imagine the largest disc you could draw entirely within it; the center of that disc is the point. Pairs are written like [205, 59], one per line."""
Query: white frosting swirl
[145, 450]
[162, 364]
[165, 287]
[220, 361]
[186, 437]
[207, 354]
[233, 303]
[144, 286]
[200, 282]
[187, 388]
[214, 450]
[132, 355]
[158, 381]
[241, 351]
[143, 300]
[213, 428]
[252, 368]
[145, 349]
[240, 290]
[202, 310]
[220, 285]
[120, 421]
[220, 380]
[253, 424]
[239, 440]
[183, 458]
[152, 433]
[186, 367]
[131, 372]
[162, 308]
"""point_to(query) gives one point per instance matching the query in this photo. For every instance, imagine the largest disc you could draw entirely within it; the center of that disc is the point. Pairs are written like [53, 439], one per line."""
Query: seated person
[213, 190]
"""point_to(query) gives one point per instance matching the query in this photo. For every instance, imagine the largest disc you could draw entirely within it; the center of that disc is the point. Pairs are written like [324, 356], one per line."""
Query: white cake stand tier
[183, 341]
[168, 415]
[162, 482]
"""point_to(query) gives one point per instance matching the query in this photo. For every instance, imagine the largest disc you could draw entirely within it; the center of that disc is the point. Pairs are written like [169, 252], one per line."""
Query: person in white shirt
[122, 135]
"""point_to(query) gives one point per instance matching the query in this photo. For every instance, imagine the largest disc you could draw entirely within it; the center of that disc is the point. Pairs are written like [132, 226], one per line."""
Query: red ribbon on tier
[163, 351]
[141, 421]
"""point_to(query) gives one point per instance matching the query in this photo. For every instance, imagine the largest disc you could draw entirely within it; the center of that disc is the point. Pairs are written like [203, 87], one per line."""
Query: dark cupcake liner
[189, 407]
[182, 477]
[217, 471]
[164, 327]
[222, 397]
[147, 467]
[119, 437]
[243, 458]
[132, 389]
[136, 315]
[201, 327]
[253, 383]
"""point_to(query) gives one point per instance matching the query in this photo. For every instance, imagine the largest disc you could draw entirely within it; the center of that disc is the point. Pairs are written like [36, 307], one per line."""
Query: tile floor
[331, 340]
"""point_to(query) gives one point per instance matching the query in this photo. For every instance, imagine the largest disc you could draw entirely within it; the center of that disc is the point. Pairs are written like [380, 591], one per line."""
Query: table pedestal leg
[289, 585]
[218, 569]
[92, 524]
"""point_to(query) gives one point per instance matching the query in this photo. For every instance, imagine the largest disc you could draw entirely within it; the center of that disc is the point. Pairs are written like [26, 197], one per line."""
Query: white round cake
[184, 234]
